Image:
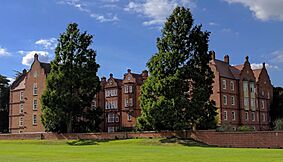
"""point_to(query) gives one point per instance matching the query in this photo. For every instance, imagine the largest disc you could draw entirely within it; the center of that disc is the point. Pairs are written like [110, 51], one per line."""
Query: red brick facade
[242, 94]
[242, 97]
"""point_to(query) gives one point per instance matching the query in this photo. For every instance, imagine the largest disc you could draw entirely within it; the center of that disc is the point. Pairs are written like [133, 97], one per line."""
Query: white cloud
[277, 56]
[11, 80]
[213, 24]
[4, 52]
[259, 66]
[84, 7]
[263, 9]
[156, 10]
[29, 57]
[49, 44]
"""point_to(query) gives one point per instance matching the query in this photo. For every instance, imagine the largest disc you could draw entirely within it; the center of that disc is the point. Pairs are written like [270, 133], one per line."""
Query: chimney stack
[35, 56]
[226, 59]
[212, 55]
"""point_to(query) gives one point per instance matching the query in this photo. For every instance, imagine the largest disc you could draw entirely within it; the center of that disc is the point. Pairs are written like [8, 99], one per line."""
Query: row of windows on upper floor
[112, 117]
[34, 106]
[128, 102]
[253, 117]
[34, 120]
[34, 89]
[253, 102]
[114, 92]
[246, 86]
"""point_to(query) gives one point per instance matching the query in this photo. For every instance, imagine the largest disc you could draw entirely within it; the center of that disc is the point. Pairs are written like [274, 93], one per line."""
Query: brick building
[242, 95]
[25, 94]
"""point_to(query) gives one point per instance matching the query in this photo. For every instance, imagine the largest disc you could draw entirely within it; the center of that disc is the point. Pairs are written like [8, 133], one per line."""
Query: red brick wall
[263, 139]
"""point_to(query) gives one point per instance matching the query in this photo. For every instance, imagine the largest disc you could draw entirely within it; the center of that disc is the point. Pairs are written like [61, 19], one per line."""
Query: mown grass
[130, 150]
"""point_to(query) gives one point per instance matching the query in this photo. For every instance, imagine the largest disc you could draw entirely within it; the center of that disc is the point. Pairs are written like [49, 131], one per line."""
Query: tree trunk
[70, 124]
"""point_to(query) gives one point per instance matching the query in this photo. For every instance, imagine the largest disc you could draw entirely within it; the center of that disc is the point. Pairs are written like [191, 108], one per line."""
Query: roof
[239, 67]
[18, 80]
[257, 74]
[226, 70]
[46, 67]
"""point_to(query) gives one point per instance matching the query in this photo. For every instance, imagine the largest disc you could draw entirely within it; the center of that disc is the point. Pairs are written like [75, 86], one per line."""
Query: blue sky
[126, 31]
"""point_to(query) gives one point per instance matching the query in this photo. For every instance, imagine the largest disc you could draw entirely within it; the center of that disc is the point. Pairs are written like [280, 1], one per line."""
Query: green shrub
[278, 124]
[225, 127]
[245, 128]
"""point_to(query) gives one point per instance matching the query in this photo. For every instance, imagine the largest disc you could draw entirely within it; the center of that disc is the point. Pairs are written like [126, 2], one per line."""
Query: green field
[129, 150]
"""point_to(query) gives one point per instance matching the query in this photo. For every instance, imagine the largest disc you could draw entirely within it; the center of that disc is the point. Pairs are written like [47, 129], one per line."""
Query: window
[35, 104]
[116, 118]
[126, 102]
[225, 115]
[253, 104]
[268, 95]
[247, 116]
[21, 96]
[246, 103]
[232, 100]
[21, 108]
[34, 121]
[21, 121]
[111, 129]
[107, 94]
[262, 104]
[130, 89]
[253, 116]
[262, 92]
[111, 118]
[224, 84]
[34, 89]
[263, 117]
[131, 101]
[246, 88]
[232, 86]
[126, 88]
[233, 115]
[129, 117]
[129, 78]
[225, 99]
[93, 104]
[35, 74]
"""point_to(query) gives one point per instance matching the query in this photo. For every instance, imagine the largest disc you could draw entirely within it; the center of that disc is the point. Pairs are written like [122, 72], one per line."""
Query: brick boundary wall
[262, 139]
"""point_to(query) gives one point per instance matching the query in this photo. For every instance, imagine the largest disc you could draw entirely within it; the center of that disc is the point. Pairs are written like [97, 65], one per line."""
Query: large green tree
[276, 107]
[71, 85]
[176, 94]
[4, 103]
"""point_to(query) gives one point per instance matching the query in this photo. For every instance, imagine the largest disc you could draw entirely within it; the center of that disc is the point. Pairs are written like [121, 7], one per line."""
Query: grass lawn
[129, 150]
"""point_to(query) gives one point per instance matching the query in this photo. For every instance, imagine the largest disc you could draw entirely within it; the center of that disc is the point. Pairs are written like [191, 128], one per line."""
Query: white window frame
[111, 118]
[262, 104]
[129, 117]
[233, 100]
[21, 108]
[126, 89]
[34, 119]
[224, 84]
[233, 115]
[34, 104]
[21, 121]
[263, 117]
[131, 103]
[21, 95]
[126, 102]
[225, 115]
[246, 116]
[232, 85]
[116, 118]
[130, 89]
[225, 101]
[35, 89]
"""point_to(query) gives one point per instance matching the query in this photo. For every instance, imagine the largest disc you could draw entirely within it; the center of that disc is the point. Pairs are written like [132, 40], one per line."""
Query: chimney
[103, 79]
[36, 56]
[263, 65]
[144, 74]
[247, 58]
[111, 75]
[129, 70]
[212, 55]
[24, 71]
[226, 59]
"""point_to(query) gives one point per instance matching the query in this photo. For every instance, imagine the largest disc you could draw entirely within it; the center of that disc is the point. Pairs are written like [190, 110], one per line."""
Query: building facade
[25, 95]
[243, 95]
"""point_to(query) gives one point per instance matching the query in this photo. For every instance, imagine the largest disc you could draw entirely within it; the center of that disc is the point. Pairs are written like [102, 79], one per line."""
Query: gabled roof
[19, 79]
[257, 74]
[226, 70]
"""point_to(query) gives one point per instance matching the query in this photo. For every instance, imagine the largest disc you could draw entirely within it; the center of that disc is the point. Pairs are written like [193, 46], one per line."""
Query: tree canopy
[72, 85]
[176, 95]
[4, 103]
[276, 107]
